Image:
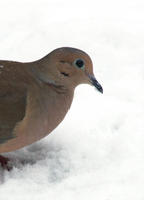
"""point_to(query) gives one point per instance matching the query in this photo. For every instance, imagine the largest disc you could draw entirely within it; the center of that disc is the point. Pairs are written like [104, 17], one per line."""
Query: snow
[97, 152]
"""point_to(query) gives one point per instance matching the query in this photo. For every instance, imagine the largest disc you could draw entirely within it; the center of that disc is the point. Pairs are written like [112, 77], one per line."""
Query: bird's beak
[95, 83]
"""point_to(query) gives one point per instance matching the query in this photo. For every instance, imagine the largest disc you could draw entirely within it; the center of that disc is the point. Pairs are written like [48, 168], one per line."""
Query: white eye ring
[79, 63]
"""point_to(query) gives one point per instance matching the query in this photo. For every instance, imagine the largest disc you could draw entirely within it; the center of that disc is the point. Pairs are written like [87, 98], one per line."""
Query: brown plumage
[35, 96]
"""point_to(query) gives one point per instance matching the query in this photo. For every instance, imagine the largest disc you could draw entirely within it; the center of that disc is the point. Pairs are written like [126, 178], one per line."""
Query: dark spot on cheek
[62, 61]
[65, 74]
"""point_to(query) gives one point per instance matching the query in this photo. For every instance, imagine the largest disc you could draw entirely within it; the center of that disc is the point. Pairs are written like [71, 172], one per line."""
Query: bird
[35, 96]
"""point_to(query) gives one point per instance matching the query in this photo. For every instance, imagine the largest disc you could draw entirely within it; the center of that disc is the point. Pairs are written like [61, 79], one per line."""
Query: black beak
[96, 83]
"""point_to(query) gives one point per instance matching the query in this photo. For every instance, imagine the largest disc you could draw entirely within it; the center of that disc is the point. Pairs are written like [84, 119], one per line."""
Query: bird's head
[67, 67]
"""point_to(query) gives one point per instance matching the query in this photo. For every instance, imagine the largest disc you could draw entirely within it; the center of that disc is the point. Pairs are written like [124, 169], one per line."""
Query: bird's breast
[43, 114]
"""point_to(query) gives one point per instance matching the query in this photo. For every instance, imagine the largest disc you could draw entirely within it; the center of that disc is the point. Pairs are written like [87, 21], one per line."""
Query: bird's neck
[53, 102]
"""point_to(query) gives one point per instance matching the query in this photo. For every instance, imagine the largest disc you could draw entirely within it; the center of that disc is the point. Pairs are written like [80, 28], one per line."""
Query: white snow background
[97, 152]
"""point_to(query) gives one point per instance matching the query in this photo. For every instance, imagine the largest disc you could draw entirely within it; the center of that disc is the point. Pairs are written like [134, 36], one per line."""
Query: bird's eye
[79, 63]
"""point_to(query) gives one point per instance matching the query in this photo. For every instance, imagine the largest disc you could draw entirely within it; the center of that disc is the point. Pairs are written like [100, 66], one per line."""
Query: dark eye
[79, 63]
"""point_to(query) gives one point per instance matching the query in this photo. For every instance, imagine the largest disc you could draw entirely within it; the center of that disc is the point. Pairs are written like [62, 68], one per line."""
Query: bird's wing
[10, 114]
[12, 102]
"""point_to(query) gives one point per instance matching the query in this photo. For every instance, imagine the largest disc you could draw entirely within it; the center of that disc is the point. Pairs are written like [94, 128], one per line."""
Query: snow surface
[97, 152]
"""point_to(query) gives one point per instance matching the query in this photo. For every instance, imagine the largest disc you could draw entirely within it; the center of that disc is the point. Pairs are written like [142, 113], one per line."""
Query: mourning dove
[35, 96]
